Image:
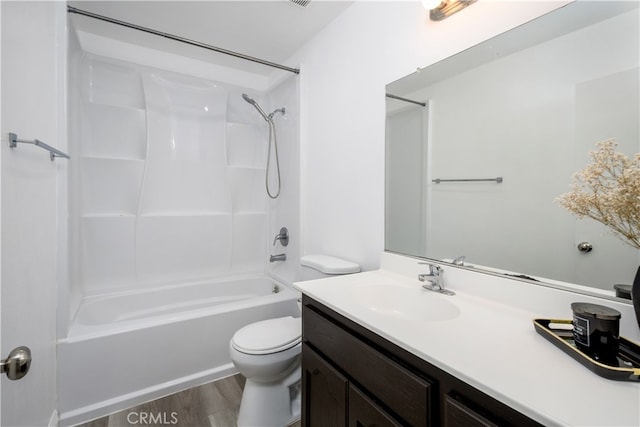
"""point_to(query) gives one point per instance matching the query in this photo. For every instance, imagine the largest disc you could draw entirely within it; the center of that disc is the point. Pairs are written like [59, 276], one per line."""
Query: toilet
[268, 354]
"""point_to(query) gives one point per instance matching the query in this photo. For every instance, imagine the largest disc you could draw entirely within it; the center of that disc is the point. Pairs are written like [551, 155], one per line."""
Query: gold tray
[627, 367]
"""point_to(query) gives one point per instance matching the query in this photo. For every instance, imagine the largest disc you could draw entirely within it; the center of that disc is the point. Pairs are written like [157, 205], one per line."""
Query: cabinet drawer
[404, 393]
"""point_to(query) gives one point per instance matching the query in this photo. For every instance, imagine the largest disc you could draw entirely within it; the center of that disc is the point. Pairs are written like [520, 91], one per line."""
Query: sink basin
[406, 303]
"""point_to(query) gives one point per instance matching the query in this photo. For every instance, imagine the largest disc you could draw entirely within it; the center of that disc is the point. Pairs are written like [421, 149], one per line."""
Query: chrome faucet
[433, 279]
[279, 257]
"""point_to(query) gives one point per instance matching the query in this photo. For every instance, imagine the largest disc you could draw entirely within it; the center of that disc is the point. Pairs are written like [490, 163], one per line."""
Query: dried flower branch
[608, 191]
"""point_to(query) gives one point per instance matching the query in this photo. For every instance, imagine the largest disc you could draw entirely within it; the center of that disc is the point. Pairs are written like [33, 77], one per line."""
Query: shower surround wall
[168, 185]
[170, 230]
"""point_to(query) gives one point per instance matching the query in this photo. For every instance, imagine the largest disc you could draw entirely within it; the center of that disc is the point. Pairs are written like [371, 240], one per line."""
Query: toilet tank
[318, 266]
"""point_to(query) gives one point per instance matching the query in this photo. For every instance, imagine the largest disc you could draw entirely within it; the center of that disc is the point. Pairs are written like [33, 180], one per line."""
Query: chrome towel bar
[498, 180]
[53, 152]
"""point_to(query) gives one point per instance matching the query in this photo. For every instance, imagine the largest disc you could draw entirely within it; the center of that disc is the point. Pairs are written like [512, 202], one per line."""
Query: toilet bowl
[268, 354]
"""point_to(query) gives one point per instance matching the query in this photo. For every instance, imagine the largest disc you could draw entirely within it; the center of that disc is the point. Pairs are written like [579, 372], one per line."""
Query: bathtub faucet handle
[283, 236]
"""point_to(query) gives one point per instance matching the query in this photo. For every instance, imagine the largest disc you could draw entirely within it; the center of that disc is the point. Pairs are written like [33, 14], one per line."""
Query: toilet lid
[329, 265]
[268, 336]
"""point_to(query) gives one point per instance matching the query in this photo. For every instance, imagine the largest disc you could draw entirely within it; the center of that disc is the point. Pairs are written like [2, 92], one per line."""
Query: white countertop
[490, 345]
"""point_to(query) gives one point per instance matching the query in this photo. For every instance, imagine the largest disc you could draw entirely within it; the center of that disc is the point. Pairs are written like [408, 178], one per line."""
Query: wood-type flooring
[214, 404]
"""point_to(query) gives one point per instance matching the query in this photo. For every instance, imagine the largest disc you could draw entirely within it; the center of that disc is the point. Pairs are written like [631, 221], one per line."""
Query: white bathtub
[132, 347]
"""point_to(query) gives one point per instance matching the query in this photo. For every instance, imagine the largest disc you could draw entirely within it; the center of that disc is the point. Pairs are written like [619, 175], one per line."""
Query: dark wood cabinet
[364, 412]
[352, 376]
[405, 393]
[457, 413]
[326, 388]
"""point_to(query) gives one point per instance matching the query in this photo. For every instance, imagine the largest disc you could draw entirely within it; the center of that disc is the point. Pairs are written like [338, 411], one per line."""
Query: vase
[635, 295]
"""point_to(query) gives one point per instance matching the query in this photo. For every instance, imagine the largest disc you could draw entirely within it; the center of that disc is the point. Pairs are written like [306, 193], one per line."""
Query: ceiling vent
[301, 3]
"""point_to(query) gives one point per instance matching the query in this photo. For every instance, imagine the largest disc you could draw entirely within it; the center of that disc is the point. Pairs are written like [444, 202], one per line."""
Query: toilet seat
[268, 336]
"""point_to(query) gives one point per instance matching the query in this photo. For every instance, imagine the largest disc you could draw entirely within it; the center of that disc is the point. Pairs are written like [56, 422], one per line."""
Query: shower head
[248, 98]
[255, 104]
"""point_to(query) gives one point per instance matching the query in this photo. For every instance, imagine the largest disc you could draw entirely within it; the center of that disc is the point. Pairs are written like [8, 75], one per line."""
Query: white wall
[344, 71]
[170, 178]
[139, 54]
[70, 295]
[33, 70]
[0, 201]
[406, 161]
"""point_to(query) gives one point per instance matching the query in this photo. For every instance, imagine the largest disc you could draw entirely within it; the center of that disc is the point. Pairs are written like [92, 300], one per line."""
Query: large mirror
[480, 144]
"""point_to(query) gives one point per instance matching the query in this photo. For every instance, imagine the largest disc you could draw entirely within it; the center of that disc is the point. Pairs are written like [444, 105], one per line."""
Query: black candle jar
[623, 291]
[596, 330]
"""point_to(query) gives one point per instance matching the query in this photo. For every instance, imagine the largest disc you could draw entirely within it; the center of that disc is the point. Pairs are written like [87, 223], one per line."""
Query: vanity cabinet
[351, 376]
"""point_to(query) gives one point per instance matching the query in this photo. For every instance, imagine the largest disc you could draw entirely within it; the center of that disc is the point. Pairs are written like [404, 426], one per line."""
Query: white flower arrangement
[608, 191]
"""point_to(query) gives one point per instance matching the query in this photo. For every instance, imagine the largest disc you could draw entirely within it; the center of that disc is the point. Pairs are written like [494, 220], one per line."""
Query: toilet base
[271, 404]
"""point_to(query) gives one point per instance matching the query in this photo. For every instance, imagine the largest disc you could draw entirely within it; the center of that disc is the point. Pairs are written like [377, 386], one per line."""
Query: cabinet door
[363, 412]
[458, 414]
[324, 392]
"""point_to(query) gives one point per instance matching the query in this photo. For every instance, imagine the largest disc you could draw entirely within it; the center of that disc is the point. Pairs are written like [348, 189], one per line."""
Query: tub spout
[279, 257]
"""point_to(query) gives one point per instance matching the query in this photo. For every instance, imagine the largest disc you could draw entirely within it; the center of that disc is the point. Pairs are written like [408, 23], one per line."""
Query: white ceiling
[269, 29]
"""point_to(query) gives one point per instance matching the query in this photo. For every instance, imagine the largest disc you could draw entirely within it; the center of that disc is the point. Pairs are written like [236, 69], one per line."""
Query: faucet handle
[434, 269]
[459, 260]
[283, 236]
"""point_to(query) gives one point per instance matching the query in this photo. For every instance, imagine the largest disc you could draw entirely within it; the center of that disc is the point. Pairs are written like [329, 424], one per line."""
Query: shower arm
[278, 110]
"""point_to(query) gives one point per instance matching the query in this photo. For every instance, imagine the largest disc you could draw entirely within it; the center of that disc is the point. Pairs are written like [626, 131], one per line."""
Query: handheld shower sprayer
[272, 136]
[264, 115]
[255, 104]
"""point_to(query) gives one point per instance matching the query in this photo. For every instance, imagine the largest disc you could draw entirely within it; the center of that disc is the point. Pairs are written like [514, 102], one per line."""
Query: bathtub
[127, 348]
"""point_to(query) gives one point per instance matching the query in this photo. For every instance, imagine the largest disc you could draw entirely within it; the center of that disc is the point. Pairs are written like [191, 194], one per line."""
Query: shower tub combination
[166, 190]
[126, 349]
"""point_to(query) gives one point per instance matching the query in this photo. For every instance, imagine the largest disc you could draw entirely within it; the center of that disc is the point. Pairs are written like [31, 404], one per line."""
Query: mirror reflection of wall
[530, 116]
[406, 163]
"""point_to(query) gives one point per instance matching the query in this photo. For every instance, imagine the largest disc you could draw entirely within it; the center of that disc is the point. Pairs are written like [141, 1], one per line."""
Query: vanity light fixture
[440, 10]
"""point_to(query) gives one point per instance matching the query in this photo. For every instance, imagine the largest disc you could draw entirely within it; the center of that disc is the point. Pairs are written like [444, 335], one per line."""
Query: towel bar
[53, 152]
[498, 180]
